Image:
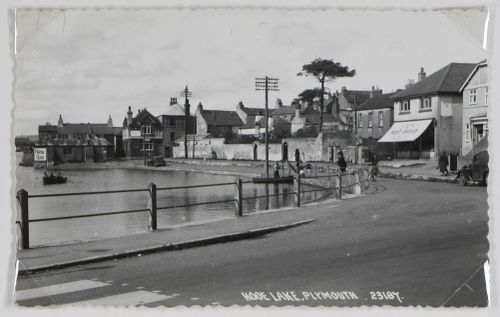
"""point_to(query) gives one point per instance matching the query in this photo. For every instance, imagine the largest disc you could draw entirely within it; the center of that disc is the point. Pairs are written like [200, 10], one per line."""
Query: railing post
[339, 175]
[296, 183]
[357, 183]
[152, 204]
[239, 198]
[25, 229]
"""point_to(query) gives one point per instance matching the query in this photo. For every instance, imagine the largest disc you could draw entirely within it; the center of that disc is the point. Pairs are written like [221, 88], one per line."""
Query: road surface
[410, 243]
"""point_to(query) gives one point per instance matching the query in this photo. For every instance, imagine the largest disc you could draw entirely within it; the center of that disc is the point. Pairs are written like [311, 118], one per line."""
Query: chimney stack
[278, 103]
[110, 122]
[421, 74]
[410, 83]
[173, 101]
[60, 122]
[129, 115]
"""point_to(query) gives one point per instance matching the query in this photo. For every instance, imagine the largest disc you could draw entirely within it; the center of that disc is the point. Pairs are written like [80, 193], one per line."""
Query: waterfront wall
[321, 148]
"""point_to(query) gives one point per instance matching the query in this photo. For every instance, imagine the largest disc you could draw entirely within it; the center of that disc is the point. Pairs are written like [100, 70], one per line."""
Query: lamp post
[186, 93]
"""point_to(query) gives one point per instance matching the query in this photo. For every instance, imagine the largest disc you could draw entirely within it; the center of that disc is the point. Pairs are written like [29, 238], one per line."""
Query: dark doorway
[255, 152]
[284, 152]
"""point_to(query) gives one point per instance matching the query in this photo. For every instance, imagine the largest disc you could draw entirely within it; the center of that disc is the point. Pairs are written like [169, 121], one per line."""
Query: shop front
[412, 139]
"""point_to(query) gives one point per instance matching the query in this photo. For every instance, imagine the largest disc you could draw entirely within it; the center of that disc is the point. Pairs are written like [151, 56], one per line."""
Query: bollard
[339, 175]
[296, 183]
[22, 195]
[238, 200]
[357, 184]
[152, 203]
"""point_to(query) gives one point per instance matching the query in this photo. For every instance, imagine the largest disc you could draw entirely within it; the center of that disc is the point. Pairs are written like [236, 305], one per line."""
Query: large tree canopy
[324, 69]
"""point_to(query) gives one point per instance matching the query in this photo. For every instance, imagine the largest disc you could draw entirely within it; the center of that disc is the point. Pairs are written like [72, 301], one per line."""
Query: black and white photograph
[167, 157]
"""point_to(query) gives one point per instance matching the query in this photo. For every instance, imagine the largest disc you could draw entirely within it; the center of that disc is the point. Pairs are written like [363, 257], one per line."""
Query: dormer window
[404, 106]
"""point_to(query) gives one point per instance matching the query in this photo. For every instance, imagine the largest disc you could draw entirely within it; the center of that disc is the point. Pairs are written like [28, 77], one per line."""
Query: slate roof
[76, 141]
[327, 117]
[221, 117]
[448, 79]
[359, 96]
[378, 101]
[253, 111]
[175, 110]
[283, 110]
[78, 128]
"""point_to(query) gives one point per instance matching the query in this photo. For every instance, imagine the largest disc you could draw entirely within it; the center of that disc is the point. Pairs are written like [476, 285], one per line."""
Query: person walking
[341, 162]
[374, 167]
[443, 164]
[276, 170]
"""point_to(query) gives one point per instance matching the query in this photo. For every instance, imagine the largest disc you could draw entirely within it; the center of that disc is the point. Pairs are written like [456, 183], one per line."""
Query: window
[370, 120]
[148, 145]
[380, 119]
[486, 96]
[360, 120]
[404, 106]
[146, 129]
[473, 97]
[171, 122]
[426, 103]
[67, 151]
[172, 135]
[467, 132]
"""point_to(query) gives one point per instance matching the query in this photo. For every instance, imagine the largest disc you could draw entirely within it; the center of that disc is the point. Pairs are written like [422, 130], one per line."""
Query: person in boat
[45, 175]
[52, 175]
[276, 170]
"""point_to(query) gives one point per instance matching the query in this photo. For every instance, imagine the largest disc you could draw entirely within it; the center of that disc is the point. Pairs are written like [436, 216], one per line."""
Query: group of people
[341, 163]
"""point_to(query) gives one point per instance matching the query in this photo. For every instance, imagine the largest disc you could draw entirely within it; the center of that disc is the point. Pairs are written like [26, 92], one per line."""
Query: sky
[89, 64]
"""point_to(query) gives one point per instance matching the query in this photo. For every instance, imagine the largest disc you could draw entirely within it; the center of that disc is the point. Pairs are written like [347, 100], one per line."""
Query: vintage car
[157, 162]
[477, 171]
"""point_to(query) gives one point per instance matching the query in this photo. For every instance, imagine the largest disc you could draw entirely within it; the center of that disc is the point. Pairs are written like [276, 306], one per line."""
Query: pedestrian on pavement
[341, 162]
[374, 167]
[297, 158]
[443, 164]
[276, 170]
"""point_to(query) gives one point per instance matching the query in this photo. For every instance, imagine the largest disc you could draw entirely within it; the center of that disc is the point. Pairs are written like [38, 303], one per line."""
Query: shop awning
[405, 131]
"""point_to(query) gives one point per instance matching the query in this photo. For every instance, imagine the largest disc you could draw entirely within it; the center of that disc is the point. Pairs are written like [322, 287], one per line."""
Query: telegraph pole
[186, 94]
[267, 84]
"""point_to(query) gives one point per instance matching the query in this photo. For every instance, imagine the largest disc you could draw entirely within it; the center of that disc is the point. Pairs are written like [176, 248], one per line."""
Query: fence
[23, 198]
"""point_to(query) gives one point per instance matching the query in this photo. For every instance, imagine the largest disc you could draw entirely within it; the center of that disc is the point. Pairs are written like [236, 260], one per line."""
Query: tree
[309, 95]
[325, 70]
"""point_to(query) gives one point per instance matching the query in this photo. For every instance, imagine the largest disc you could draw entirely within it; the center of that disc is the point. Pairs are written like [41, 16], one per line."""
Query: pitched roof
[175, 110]
[78, 128]
[448, 79]
[378, 101]
[221, 117]
[144, 116]
[283, 110]
[483, 63]
[327, 117]
[359, 96]
[253, 111]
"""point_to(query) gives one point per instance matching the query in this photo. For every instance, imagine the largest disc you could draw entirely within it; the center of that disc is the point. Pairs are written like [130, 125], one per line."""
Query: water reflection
[65, 231]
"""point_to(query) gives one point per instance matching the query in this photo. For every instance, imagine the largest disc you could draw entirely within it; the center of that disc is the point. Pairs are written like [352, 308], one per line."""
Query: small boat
[273, 180]
[54, 179]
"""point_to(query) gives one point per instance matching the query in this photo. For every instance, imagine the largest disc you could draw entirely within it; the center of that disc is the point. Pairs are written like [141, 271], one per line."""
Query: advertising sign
[40, 154]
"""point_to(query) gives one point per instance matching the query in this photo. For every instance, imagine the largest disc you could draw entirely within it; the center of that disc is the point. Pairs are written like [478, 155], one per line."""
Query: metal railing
[23, 198]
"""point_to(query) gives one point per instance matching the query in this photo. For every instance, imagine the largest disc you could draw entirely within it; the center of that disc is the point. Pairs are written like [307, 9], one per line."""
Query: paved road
[422, 240]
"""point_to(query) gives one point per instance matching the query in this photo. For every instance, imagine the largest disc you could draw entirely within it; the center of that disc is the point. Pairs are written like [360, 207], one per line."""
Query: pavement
[245, 227]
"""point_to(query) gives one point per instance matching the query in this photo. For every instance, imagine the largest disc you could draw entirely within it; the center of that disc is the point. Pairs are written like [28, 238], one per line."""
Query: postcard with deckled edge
[264, 157]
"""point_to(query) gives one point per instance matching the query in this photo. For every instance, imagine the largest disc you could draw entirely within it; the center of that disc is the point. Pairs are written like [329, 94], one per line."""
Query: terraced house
[428, 114]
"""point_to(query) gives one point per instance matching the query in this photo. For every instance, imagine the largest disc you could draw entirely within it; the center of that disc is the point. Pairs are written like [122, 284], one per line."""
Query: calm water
[82, 229]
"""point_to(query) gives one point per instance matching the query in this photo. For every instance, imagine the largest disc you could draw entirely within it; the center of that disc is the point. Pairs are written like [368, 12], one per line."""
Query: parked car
[157, 162]
[477, 171]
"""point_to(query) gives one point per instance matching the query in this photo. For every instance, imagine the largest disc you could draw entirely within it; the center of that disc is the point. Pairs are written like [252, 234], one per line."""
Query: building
[217, 123]
[344, 103]
[174, 125]
[475, 108]
[142, 136]
[80, 142]
[374, 118]
[311, 118]
[285, 112]
[428, 114]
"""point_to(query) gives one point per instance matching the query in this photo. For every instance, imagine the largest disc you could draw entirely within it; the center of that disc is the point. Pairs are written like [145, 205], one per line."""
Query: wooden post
[152, 196]
[296, 183]
[22, 195]
[339, 175]
[239, 198]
